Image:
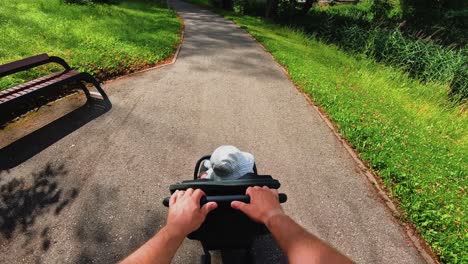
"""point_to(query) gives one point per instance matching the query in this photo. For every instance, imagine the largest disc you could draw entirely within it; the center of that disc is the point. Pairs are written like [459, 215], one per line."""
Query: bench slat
[29, 83]
[33, 85]
[11, 98]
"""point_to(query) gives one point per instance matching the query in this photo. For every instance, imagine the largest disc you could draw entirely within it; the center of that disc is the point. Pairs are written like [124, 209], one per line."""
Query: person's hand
[185, 214]
[264, 203]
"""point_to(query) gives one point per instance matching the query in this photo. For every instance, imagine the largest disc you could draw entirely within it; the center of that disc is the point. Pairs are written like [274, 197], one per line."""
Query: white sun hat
[229, 163]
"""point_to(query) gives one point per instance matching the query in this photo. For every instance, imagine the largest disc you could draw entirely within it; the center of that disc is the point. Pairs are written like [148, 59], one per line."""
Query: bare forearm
[160, 249]
[299, 245]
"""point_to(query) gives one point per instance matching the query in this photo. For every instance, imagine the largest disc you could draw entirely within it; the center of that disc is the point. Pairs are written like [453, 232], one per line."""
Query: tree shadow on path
[99, 232]
[22, 201]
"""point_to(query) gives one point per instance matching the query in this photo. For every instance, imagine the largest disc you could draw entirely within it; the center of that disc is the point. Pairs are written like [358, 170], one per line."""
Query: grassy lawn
[409, 133]
[105, 40]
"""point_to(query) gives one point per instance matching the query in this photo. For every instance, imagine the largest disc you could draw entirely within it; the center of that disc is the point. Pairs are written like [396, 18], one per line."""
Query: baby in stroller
[227, 163]
[224, 176]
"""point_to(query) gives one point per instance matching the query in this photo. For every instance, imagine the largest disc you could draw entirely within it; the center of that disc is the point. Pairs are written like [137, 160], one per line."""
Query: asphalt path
[84, 184]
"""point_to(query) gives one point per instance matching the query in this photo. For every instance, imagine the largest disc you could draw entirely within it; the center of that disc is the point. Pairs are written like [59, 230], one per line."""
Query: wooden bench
[11, 97]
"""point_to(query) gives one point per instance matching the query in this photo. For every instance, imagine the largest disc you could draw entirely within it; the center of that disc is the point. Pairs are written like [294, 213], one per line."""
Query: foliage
[249, 7]
[444, 20]
[459, 84]
[356, 29]
[425, 9]
[380, 9]
[421, 59]
[105, 40]
[446, 26]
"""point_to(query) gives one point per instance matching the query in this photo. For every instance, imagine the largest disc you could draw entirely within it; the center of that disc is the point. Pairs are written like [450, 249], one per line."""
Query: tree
[227, 5]
[307, 6]
[426, 9]
[271, 9]
[380, 9]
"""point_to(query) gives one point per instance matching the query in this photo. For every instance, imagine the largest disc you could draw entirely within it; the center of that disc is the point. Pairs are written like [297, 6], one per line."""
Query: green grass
[105, 40]
[409, 133]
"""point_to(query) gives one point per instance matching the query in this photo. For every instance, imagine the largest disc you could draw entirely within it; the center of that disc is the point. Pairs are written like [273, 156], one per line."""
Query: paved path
[94, 194]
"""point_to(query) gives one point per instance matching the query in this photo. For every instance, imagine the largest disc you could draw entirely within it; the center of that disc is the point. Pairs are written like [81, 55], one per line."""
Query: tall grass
[424, 60]
[105, 40]
[354, 29]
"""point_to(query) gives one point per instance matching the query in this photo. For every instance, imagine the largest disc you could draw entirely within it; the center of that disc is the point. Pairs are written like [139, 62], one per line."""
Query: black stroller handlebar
[225, 200]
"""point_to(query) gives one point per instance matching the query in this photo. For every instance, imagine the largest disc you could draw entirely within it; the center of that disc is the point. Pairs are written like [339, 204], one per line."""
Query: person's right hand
[264, 203]
[185, 214]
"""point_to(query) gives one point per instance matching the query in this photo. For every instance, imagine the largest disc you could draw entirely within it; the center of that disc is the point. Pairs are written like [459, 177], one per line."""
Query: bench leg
[90, 79]
[85, 90]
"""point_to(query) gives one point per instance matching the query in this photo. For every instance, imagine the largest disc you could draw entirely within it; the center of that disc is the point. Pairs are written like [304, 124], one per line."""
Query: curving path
[93, 194]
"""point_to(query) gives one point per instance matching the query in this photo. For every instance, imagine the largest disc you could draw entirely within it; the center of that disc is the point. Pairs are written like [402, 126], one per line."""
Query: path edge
[172, 58]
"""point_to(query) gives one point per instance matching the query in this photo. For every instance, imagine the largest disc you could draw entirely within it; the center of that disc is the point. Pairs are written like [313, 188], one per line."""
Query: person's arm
[184, 217]
[299, 245]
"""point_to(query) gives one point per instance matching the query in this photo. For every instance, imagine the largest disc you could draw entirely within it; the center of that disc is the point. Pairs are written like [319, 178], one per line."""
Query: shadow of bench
[26, 147]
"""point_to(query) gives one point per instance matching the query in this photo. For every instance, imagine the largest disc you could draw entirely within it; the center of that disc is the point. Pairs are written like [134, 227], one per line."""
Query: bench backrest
[29, 63]
[24, 64]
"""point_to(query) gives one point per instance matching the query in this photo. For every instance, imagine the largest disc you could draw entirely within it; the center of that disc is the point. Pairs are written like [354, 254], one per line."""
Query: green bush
[426, 9]
[424, 60]
[459, 84]
[356, 29]
[215, 3]
[246, 7]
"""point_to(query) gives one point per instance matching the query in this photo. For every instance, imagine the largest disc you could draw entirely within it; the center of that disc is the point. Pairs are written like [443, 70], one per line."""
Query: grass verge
[409, 133]
[105, 40]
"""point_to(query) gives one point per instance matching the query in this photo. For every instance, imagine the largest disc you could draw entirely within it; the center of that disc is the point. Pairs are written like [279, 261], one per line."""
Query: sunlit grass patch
[105, 40]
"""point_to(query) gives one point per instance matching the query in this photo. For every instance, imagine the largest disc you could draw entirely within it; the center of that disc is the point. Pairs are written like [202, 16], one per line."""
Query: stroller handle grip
[225, 200]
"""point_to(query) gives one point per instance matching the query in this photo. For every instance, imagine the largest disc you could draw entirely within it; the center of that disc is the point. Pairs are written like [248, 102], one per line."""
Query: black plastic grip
[225, 200]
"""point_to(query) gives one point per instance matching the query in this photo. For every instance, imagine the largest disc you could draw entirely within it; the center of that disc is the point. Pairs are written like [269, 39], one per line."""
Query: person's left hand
[185, 214]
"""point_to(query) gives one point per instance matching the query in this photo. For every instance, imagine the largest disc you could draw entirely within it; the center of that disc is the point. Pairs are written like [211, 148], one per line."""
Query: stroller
[226, 229]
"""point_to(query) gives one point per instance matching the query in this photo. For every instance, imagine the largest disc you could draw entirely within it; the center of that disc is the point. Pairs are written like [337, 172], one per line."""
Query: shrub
[355, 29]
[421, 59]
[459, 84]
[249, 7]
